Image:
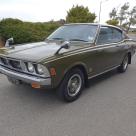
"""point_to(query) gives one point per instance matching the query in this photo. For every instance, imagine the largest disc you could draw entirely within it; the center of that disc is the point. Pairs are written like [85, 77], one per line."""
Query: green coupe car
[68, 58]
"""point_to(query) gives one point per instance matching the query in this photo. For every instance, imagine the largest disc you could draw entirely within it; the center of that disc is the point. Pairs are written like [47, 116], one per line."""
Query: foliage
[125, 16]
[114, 22]
[131, 17]
[113, 14]
[80, 14]
[122, 15]
[24, 32]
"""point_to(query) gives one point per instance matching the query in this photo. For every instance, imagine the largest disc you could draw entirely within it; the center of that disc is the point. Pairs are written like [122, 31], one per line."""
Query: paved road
[106, 108]
[133, 36]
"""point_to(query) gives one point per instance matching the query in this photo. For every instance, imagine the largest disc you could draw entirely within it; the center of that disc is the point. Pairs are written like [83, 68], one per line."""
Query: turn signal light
[35, 85]
[53, 71]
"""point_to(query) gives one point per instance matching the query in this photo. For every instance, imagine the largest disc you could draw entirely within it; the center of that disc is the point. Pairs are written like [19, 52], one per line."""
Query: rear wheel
[123, 67]
[72, 85]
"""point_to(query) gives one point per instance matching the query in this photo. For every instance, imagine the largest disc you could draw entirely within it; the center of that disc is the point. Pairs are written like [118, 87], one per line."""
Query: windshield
[84, 33]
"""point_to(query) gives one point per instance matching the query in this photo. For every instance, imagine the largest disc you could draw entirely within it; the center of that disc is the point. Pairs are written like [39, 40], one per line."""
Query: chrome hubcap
[74, 85]
[125, 63]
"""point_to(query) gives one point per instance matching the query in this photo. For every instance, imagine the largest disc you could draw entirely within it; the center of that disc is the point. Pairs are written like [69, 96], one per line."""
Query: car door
[109, 48]
[120, 45]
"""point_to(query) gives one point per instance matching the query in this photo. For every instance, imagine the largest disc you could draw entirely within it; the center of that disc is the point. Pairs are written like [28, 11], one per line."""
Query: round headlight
[30, 67]
[40, 69]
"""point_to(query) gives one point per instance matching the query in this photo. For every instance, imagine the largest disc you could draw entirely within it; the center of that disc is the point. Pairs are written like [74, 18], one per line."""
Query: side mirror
[9, 42]
[65, 45]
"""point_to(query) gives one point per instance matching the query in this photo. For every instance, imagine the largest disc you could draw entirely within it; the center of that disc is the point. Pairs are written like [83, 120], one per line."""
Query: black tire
[124, 65]
[64, 91]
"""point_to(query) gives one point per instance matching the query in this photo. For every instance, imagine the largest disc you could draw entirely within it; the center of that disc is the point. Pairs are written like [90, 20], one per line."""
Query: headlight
[40, 69]
[30, 67]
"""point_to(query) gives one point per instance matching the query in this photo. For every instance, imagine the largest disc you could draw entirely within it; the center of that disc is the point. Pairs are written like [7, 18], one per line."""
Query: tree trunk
[130, 23]
[2, 42]
[128, 27]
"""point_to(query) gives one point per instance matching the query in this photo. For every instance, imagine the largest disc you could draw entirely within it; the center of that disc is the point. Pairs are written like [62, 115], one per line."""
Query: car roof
[81, 24]
[98, 24]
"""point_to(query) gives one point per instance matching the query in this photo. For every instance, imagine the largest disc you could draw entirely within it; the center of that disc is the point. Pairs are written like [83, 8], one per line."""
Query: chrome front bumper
[25, 78]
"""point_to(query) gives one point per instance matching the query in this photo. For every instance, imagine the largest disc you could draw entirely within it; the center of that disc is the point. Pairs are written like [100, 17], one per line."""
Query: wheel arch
[82, 67]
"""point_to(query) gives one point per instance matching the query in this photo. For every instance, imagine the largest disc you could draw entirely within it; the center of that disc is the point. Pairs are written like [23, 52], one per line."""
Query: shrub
[24, 32]
[80, 14]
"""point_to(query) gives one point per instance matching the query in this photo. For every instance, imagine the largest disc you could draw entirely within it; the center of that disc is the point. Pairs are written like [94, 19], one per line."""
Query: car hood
[35, 51]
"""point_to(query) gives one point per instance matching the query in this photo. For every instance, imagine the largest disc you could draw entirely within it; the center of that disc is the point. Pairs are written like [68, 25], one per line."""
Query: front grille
[15, 64]
[7, 62]
[4, 61]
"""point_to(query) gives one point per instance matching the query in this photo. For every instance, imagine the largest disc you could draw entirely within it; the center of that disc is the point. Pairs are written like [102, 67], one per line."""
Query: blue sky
[46, 10]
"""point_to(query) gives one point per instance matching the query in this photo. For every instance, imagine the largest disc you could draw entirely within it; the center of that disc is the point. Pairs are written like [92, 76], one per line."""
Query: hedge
[24, 32]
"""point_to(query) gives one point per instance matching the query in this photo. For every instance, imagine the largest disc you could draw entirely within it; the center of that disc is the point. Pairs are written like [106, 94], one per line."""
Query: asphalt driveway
[106, 108]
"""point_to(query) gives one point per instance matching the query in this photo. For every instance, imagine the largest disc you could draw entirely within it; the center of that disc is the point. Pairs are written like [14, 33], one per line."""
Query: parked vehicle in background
[69, 57]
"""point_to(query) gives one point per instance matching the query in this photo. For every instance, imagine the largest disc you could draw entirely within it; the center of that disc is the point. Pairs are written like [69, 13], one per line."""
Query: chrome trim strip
[25, 78]
[94, 48]
[113, 44]
[103, 72]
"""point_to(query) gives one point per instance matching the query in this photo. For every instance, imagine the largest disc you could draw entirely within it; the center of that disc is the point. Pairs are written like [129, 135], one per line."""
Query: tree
[113, 18]
[113, 14]
[80, 14]
[2, 42]
[114, 22]
[125, 17]
[123, 13]
[132, 18]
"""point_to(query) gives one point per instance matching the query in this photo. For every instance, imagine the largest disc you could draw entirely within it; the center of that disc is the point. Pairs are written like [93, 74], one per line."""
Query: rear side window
[117, 35]
[109, 35]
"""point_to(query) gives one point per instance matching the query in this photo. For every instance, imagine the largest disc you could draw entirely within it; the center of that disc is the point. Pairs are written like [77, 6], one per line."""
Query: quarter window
[117, 35]
[109, 35]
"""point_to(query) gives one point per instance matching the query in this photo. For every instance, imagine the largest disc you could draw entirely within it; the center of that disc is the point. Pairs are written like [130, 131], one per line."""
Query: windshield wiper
[78, 40]
[56, 38]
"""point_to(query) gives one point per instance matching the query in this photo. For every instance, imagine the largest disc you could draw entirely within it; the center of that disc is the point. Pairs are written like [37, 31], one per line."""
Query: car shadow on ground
[25, 92]
[101, 78]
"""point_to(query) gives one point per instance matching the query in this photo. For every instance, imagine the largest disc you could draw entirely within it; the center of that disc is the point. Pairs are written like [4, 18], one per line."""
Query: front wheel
[123, 67]
[72, 85]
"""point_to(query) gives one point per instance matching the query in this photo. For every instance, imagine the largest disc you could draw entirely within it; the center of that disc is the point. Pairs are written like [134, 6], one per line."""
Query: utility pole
[101, 9]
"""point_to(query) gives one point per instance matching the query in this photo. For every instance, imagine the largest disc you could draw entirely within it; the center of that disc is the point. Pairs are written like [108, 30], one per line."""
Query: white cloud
[45, 10]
